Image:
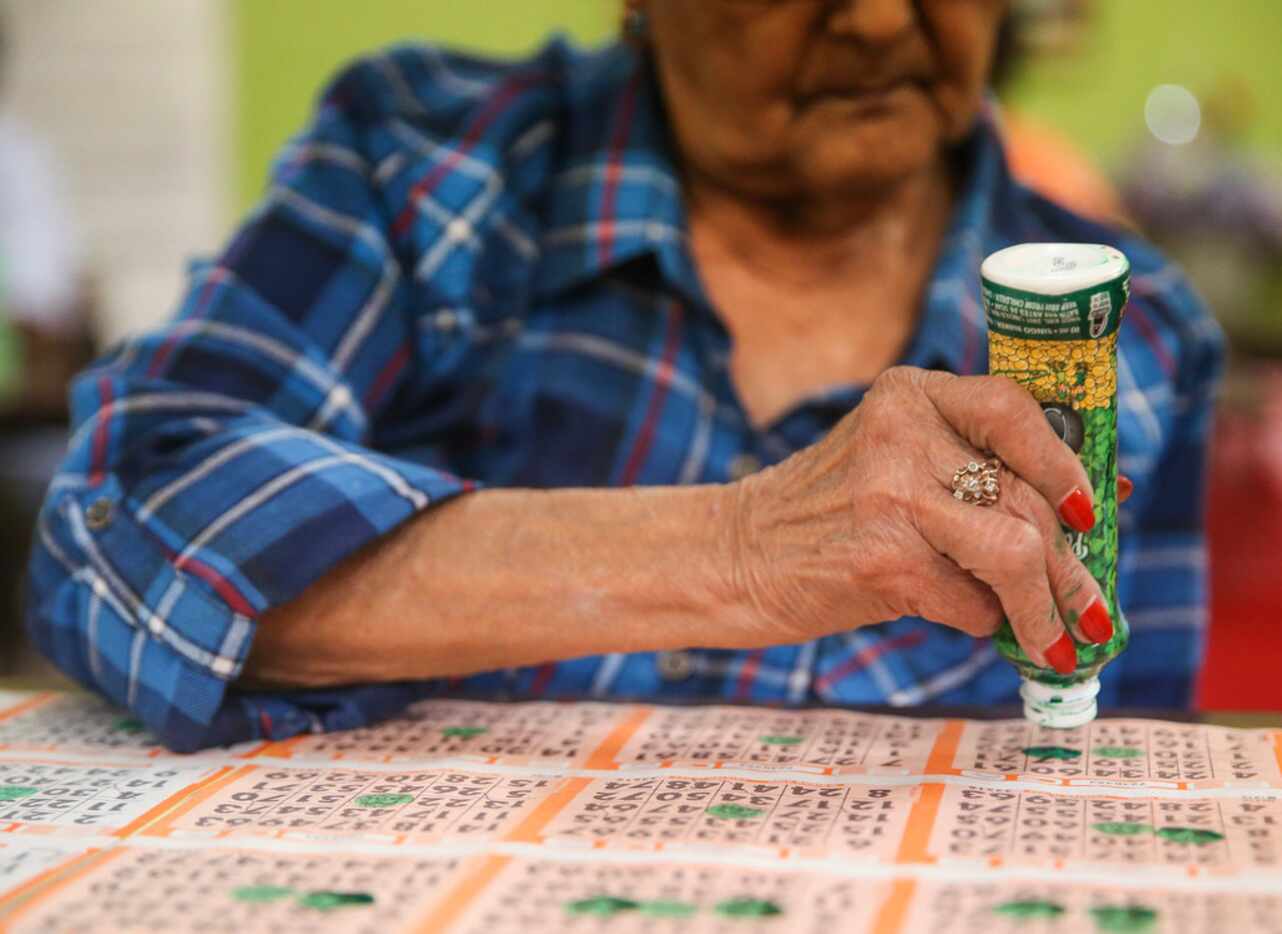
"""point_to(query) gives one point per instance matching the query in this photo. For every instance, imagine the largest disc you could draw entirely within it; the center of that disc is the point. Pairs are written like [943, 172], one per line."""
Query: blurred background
[133, 133]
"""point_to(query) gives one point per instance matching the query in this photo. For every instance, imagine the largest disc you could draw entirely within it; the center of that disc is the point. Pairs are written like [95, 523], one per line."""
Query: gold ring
[977, 482]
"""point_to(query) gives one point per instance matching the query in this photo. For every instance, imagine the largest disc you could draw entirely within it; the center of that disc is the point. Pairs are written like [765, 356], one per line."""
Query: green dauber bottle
[1053, 311]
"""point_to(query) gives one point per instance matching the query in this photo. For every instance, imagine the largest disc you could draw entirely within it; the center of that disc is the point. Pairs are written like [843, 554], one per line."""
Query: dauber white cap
[1060, 708]
[1054, 268]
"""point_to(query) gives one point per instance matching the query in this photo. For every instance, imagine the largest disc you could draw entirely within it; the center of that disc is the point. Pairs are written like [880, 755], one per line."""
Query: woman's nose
[872, 21]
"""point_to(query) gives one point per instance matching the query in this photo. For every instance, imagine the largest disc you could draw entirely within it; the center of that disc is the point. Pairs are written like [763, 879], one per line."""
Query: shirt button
[674, 666]
[745, 465]
[98, 515]
[458, 230]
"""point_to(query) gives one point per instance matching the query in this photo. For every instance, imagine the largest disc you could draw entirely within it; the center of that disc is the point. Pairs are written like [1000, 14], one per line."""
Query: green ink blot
[1030, 908]
[1118, 752]
[1047, 753]
[1124, 919]
[667, 909]
[463, 732]
[328, 901]
[1189, 835]
[383, 801]
[128, 725]
[1122, 828]
[14, 792]
[261, 893]
[781, 740]
[734, 811]
[748, 908]
[603, 906]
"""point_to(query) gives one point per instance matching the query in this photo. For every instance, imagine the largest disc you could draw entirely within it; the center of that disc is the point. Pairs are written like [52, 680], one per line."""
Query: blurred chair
[1245, 533]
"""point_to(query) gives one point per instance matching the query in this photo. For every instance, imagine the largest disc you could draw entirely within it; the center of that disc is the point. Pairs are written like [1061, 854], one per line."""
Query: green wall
[285, 49]
[1098, 96]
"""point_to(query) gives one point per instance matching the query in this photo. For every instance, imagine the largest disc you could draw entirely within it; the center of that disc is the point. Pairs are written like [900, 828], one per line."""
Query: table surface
[467, 816]
[1245, 719]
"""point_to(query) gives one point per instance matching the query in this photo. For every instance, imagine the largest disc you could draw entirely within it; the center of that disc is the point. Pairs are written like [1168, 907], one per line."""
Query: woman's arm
[222, 463]
[852, 531]
[504, 578]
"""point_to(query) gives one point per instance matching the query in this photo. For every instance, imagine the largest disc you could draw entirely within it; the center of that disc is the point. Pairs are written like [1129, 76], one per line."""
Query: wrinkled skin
[862, 527]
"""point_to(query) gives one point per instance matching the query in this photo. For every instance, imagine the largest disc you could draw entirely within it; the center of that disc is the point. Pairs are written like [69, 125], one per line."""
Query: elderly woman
[476, 401]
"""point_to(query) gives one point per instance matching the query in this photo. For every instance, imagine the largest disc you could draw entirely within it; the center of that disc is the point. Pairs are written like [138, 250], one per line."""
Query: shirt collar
[618, 197]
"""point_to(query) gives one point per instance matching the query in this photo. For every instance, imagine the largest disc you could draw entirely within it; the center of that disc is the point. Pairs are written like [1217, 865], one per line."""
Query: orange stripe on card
[457, 900]
[944, 753]
[40, 889]
[166, 814]
[1277, 748]
[606, 755]
[31, 703]
[528, 830]
[279, 749]
[914, 847]
[251, 752]
[894, 910]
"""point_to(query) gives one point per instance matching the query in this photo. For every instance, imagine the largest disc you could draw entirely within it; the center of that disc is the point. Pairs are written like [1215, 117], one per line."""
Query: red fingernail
[1095, 622]
[1063, 654]
[1077, 512]
[1124, 488]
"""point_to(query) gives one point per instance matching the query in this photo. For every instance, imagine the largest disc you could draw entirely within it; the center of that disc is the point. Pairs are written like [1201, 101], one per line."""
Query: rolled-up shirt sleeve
[222, 463]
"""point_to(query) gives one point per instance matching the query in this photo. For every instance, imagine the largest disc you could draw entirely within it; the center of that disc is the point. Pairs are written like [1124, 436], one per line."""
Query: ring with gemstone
[978, 482]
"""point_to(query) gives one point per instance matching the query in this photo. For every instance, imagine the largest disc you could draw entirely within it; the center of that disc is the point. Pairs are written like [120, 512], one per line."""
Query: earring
[636, 23]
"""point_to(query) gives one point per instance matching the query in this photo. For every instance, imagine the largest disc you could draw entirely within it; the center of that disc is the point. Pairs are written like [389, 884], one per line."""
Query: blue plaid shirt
[472, 274]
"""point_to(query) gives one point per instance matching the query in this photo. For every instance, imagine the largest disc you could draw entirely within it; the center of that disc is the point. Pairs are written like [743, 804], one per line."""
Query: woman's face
[788, 98]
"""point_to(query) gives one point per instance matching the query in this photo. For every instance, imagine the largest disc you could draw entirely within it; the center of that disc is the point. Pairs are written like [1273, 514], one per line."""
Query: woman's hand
[863, 527]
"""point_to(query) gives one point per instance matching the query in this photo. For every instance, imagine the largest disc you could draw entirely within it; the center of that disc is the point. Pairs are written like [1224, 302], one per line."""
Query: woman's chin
[834, 151]
[831, 170]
